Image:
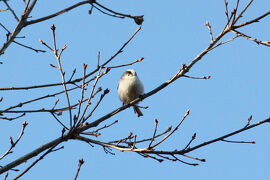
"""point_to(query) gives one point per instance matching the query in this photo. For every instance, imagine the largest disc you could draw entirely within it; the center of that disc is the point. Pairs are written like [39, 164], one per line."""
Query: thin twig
[210, 30]
[72, 75]
[16, 170]
[90, 96]
[224, 42]
[152, 157]
[45, 44]
[82, 93]
[100, 10]
[235, 12]
[227, 135]
[252, 21]
[134, 143]
[4, 27]
[57, 13]
[73, 7]
[203, 77]
[36, 161]
[11, 119]
[226, 11]
[202, 160]
[2, 10]
[11, 10]
[59, 121]
[242, 12]
[58, 58]
[191, 140]
[154, 134]
[98, 59]
[266, 43]
[249, 119]
[192, 164]
[114, 12]
[6, 176]
[245, 142]
[81, 161]
[39, 110]
[184, 117]
[143, 140]
[28, 47]
[106, 91]
[20, 25]
[13, 144]
[97, 130]
[56, 102]
[138, 60]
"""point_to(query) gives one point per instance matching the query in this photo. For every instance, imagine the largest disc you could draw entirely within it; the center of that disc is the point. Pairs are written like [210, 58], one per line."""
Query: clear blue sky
[173, 33]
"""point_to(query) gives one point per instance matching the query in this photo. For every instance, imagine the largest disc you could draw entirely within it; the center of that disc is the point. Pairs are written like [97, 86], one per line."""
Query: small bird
[130, 88]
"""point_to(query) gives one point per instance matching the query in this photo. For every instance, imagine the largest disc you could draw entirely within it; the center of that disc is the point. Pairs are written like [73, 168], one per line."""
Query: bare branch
[11, 10]
[179, 124]
[106, 91]
[154, 134]
[242, 12]
[251, 21]
[81, 161]
[249, 119]
[266, 43]
[227, 135]
[210, 30]
[203, 77]
[11, 119]
[59, 121]
[13, 144]
[97, 130]
[19, 26]
[92, 2]
[28, 47]
[226, 11]
[191, 140]
[136, 61]
[36, 161]
[245, 142]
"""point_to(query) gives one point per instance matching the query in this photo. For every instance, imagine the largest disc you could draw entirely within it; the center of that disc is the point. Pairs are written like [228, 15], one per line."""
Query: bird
[129, 88]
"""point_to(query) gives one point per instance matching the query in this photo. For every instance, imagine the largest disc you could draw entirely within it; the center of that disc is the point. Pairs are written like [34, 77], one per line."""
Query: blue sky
[173, 33]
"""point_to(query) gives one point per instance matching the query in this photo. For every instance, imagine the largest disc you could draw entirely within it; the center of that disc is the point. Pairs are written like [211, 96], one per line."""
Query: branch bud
[53, 27]
[138, 19]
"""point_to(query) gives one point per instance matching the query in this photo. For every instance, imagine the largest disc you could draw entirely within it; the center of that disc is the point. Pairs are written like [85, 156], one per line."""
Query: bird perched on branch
[130, 88]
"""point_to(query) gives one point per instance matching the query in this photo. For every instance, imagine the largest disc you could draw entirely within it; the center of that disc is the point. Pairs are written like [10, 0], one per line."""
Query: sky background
[173, 33]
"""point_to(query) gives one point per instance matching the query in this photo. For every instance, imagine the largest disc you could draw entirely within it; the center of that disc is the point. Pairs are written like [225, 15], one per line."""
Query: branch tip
[53, 27]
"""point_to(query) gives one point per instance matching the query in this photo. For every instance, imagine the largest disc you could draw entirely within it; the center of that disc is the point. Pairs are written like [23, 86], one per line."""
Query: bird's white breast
[130, 88]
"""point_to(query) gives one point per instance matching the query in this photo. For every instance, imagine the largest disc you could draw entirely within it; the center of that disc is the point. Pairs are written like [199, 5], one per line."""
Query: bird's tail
[137, 111]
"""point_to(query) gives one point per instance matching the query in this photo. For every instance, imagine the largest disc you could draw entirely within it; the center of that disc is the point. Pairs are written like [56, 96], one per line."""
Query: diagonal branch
[19, 26]
[11, 10]
[13, 144]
